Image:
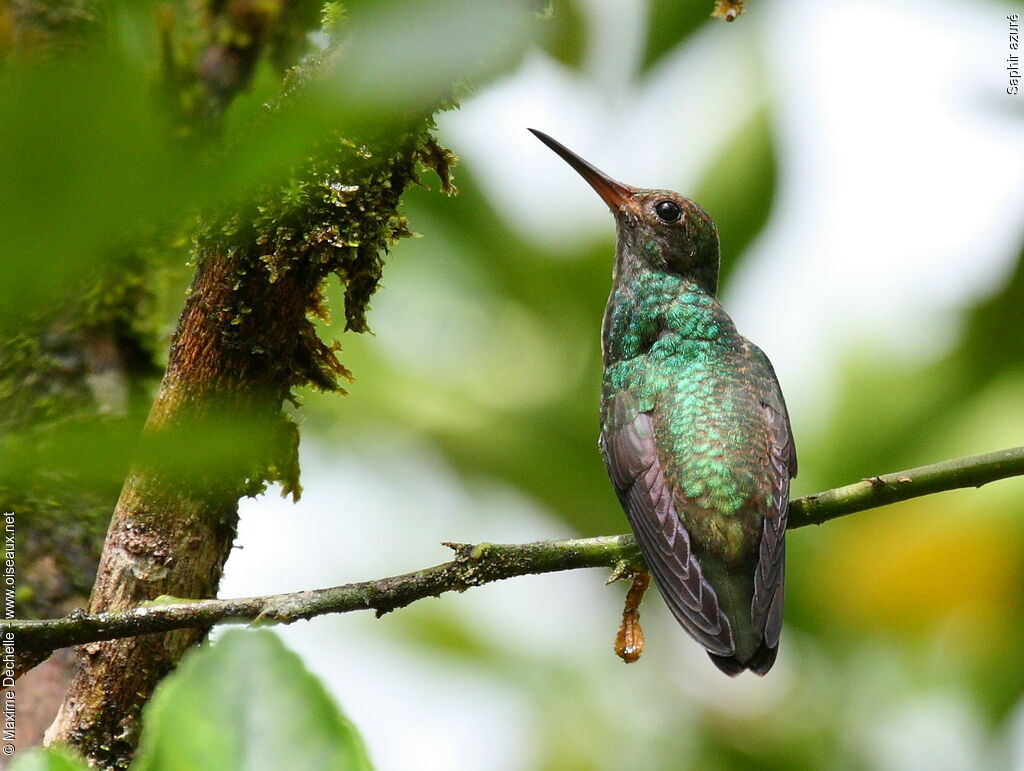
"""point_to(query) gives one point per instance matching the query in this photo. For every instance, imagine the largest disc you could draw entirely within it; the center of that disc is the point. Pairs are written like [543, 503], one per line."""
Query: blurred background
[864, 163]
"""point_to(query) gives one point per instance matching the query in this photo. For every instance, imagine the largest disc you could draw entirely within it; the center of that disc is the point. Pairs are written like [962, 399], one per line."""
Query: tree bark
[216, 431]
[90, 361]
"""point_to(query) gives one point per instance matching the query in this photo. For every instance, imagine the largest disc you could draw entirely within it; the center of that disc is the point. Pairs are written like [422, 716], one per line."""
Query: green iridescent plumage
[694, 429]
[690, 377]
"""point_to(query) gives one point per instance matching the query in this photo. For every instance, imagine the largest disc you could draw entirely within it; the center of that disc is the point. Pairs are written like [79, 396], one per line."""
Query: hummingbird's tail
[759, 663]
[735, 590]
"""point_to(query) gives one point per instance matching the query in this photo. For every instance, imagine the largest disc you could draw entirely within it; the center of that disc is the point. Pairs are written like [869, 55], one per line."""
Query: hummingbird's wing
[769, 579]
[627, 443]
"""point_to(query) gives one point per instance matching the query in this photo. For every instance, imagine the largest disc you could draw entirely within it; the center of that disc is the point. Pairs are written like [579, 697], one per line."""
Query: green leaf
[669, 23]
[48, 760]
[246, 703]
[564, 32]
[738, 189]
[401, 55]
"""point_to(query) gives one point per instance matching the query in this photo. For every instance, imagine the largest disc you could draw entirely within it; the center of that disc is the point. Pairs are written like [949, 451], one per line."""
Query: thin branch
[475, 565]
[972, 471]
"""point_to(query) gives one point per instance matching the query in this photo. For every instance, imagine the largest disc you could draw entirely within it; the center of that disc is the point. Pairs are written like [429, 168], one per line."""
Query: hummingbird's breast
[678, 354]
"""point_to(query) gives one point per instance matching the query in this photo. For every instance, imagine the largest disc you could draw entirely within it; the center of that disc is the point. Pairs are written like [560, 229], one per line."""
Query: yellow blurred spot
[920, 565]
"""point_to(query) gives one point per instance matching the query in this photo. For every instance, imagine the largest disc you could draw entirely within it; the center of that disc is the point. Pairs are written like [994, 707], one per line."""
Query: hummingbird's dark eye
[668, 211]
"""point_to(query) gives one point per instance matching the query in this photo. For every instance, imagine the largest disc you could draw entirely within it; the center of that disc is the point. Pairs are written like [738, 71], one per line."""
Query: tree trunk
[216, 431]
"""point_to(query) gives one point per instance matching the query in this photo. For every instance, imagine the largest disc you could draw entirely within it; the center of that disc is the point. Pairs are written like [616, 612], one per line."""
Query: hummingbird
[694, 429]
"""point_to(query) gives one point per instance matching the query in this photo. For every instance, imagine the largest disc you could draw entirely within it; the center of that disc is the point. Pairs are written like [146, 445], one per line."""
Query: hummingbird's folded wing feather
[769, 578]
[627, 443]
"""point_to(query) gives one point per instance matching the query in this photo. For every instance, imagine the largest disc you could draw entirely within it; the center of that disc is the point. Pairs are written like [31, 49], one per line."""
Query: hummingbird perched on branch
[694, 429]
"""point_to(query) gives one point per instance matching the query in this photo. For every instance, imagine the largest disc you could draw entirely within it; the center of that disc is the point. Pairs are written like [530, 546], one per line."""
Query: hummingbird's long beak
[614, 193]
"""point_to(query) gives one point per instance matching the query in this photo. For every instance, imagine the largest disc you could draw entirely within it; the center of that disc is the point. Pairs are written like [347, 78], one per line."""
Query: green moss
[80, 372]
[334, 219]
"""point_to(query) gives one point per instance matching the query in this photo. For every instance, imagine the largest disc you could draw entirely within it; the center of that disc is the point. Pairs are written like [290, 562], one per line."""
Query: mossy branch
[475, 565]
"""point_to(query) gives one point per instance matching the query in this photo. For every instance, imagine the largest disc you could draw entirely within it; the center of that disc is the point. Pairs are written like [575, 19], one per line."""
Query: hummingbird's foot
[629, 642]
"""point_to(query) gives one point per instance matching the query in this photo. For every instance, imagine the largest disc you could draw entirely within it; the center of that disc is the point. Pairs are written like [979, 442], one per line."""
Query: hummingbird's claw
[623, 569]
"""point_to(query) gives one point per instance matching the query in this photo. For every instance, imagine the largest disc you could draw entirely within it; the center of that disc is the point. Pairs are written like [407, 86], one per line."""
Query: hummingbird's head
[659, 228]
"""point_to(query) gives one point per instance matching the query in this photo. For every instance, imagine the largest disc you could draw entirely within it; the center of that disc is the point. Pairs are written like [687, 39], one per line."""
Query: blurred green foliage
[739, 187]
[48, 760]
[669, 24]
[90, 161]
[565, 36]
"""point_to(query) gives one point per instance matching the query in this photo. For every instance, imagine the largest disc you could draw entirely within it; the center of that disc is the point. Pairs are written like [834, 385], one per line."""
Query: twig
[971, 471]
[475, 565]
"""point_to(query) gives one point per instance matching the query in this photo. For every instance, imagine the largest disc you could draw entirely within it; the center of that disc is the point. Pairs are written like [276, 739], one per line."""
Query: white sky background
[901, 160]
